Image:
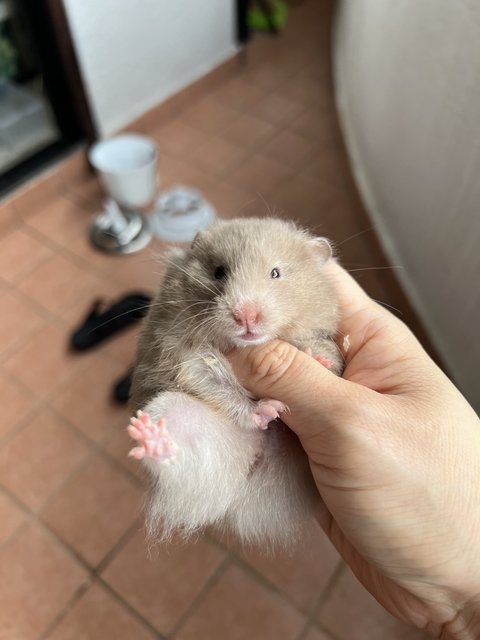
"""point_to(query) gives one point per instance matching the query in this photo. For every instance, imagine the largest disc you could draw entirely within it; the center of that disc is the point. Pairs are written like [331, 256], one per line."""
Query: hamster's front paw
[266, 411]
[153, 439]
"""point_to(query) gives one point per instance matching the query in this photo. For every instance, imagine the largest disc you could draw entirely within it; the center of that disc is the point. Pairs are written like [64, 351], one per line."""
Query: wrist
[465, 625]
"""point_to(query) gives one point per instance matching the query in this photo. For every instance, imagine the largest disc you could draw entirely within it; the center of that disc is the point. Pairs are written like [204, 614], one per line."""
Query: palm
[379, 360]
[391, 595]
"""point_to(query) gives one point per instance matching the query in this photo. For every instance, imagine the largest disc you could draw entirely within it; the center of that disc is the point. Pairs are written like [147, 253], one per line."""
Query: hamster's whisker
[398, 266]
[202, 284]
[202, 312]
[389, 306]
[356, 235]
[145, 306]
[244, 206]
[267, 206]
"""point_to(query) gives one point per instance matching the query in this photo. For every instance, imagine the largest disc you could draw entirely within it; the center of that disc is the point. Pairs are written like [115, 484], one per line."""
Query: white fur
[211, 480]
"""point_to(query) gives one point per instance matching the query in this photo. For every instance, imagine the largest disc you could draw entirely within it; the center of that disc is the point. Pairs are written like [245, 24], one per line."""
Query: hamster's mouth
[250, 338]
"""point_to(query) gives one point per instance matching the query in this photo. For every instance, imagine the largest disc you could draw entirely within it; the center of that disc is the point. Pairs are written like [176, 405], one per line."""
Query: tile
[229, 200]
[98, 616]
[39, 458]
[218, 156]
[86, 192]
[97, 417]
[11, 517]
[249, 132]
[93, 257]
[75, 167]
[301, 199]
[16, 404]
[315, 634]
[94, 509]
[328, 165]
[277, 109]
[37, 580]
[20, 253]
[43, 362]
[162, 582]
[236, 607]
[104, 289]
[290, 149]
[319, 124]
[238, 94]
[9, 218]
[308, 91]
[18, 321]
[265, 75]
[57, 284]
[342, 218]
[123, 348]
[180, 172]
[36, 193]
[60, 220]
[300, 573]
[260, 175]
[351, 613]
[178, 138]
[209, 115]
[117, 445]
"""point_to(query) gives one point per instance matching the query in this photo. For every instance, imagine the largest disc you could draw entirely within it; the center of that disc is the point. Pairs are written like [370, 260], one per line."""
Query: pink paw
[319, 358]
[266, 411]
[153, 439]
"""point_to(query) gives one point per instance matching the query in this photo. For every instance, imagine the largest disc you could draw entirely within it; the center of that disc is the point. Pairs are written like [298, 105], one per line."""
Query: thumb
[280, 371]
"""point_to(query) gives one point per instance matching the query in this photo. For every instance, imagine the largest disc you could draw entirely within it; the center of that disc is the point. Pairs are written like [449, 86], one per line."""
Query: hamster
[229, 461]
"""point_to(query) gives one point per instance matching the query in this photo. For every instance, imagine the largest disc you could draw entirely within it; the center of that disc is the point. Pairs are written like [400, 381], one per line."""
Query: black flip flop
[121, 388]
[100, 325]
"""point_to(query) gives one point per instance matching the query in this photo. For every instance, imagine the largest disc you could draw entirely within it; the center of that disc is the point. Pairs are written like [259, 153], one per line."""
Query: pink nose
[247, 315]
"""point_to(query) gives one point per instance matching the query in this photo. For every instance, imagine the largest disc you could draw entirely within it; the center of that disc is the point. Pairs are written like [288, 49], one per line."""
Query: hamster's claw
[153, 439]
[266, 411]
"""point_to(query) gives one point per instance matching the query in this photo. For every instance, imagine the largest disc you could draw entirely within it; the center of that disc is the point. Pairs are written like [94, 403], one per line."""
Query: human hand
[394, 449]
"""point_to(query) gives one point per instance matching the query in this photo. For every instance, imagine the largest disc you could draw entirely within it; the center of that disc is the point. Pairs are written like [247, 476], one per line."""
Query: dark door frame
[64, 87]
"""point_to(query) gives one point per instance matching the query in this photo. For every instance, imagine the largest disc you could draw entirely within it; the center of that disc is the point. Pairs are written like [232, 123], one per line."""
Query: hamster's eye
[219, 273]
[275, 273]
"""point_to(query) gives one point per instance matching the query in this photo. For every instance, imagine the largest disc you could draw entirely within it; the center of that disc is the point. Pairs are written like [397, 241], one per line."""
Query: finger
[279, 370]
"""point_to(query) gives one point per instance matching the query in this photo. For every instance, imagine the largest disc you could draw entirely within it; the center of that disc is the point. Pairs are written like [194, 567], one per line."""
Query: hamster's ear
[196, 240]
[322, 250]
[175, 254]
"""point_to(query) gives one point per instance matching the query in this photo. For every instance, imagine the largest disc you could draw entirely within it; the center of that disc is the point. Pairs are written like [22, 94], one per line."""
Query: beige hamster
[242, 282]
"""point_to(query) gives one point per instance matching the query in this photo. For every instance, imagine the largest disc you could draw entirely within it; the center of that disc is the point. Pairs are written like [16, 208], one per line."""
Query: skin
[394, 449]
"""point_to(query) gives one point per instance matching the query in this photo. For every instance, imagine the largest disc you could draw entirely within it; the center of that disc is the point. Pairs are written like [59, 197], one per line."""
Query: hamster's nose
[247, 315]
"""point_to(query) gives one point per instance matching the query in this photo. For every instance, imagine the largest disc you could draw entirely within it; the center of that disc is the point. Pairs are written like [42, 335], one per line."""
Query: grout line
[133, 612]
[38, 405]
[93, 574]
[118, 546]
[29, 516]
[327, 590]
[196, 602]
[263, 581]
[77, 595]
[260, 578]
[95, 452]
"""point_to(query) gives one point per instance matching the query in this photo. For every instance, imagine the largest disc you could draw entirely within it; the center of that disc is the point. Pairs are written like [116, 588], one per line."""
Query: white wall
[408, 89]
[135, 53]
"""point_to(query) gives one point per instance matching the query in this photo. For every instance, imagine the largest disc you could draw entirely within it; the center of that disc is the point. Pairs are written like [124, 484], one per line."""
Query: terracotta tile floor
[74, 564]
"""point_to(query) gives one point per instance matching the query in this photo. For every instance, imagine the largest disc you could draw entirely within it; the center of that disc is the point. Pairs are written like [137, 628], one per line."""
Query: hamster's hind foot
[266, 411]
[153, 439]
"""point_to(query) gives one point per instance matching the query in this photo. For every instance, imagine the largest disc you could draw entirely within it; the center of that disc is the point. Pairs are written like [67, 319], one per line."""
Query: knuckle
[271, 362]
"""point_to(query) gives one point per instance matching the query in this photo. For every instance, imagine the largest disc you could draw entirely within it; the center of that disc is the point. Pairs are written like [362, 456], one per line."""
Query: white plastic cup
[127, 168]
